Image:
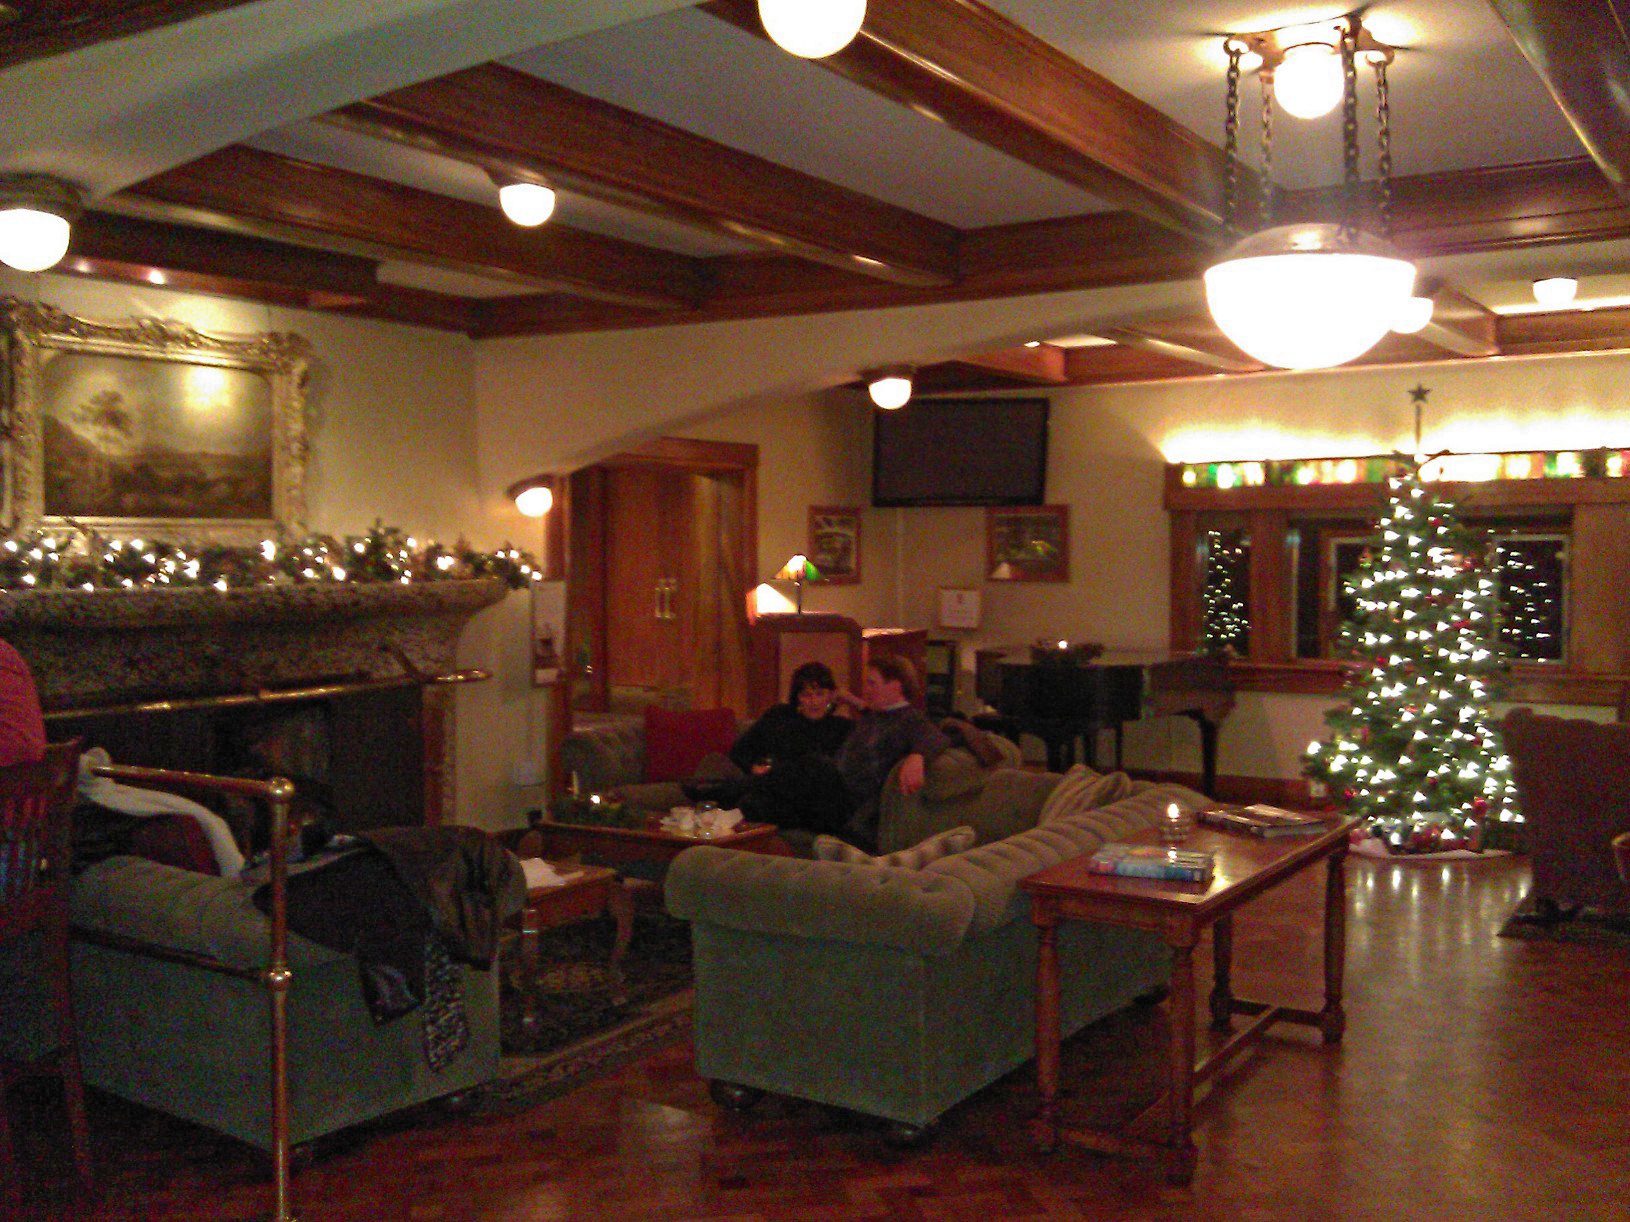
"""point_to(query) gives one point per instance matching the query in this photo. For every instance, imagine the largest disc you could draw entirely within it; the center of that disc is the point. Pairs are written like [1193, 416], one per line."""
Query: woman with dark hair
[804, 725]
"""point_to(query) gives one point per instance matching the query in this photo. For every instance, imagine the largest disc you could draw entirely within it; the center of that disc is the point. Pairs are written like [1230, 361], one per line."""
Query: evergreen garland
[81, 559]
[1413, 751]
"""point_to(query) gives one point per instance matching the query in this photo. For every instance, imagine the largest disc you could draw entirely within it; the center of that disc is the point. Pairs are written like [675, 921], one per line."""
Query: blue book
[1152, 861]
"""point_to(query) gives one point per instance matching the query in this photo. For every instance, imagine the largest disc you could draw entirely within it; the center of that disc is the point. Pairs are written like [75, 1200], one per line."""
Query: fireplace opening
[357, 758]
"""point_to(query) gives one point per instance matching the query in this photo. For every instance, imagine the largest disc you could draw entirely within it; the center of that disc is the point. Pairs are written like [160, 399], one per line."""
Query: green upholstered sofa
[195, 1043]
[899, 993]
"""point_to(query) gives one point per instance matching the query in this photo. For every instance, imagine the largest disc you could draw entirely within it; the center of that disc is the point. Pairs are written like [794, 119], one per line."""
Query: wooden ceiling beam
[1100, 250]
[135, 251]
[967, 65]
[42, 28]
[267, 195]
[1205, 348]
[1581, 52]
[1493, 208]
[1600, 330]
[518, 125]
[1042, 365]
[1111, 363]
[1459, 324]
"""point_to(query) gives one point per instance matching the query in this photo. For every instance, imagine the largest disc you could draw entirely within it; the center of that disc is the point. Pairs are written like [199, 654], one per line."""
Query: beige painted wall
[392, 437]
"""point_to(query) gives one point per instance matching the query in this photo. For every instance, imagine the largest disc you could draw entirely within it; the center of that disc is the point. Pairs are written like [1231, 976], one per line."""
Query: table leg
[531, 956]
[1181, 1154]
[1222, 966]
[620, 905]
[1044, 1130]
[1333, 1019]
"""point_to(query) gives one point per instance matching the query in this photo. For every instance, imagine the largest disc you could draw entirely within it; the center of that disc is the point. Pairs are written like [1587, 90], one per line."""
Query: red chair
[36, 804]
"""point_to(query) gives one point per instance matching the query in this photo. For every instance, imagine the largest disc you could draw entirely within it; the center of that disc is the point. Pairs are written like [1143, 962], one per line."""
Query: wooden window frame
[1598, 510]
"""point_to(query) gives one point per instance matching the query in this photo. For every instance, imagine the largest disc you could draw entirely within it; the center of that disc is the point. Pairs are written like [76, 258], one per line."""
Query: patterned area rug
[1586, 928]
[586, 1026]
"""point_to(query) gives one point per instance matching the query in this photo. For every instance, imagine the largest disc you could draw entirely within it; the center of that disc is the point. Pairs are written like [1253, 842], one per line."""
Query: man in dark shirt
[890, 730]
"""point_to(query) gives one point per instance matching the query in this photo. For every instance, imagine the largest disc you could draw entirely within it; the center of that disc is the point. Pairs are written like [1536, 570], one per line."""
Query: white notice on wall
[959, 608]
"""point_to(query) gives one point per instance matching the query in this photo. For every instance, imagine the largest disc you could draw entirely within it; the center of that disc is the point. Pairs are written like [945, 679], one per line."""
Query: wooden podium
[780, 644]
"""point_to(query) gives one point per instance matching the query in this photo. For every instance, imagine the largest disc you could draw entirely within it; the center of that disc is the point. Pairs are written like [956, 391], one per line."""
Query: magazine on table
[1263, 820]
[1153, 861]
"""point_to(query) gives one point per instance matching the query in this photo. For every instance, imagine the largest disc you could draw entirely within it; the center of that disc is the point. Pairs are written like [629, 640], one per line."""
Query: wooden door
[650, 585]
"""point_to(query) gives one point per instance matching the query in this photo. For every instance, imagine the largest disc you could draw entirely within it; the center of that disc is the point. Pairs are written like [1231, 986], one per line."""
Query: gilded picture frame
[1027, 543]
[834, 543]
[151, 427]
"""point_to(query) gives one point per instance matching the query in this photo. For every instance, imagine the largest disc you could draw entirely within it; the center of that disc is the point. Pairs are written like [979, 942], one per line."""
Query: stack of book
[1263, 820]
[1152, 861]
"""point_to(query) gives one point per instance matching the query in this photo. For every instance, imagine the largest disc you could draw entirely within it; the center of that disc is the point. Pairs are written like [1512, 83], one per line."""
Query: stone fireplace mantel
[95, 648]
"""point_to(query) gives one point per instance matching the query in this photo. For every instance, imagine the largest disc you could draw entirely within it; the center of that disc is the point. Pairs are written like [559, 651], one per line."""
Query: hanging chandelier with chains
[1311, 294]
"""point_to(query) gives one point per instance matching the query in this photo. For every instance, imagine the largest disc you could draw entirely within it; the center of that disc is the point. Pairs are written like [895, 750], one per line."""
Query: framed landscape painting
[152, 427]
[834, 543]
[1027, 543]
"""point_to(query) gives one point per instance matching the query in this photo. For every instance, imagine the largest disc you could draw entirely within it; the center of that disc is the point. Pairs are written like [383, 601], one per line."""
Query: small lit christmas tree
[1413, 751]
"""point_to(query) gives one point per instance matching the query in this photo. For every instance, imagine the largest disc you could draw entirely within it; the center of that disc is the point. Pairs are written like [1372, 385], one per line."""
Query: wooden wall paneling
[586, 590]
[1272, 575]
[1187, 573]
[1599, 559]
[782, 643]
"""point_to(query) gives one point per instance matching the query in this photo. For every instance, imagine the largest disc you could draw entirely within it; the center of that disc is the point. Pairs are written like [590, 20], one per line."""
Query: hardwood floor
[1480, 1078]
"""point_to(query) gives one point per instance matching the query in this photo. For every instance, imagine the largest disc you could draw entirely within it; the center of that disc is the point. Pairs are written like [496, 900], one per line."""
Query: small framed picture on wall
[834, 543]
[1027, 543]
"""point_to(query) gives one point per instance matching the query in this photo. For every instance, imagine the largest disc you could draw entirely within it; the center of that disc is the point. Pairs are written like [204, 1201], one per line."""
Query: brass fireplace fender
[278, 794]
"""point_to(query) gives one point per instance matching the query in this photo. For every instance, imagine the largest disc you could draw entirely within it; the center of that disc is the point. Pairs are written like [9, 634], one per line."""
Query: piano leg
[1208, 753]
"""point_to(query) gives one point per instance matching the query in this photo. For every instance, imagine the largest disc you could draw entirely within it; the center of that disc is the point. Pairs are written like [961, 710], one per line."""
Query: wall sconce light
[798, 570]
[37, 213]
[527, 204]
[812, 29]
[890, 389]
[533, 497]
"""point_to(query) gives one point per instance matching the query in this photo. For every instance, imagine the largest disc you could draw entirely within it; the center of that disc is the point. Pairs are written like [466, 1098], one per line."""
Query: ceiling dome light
[812, 29]
[36, 220]
[1308, 81]
[526, 203]
[533, 497]
[1413, 316]
[890, 390]
[1555, 292]
[1308, 296]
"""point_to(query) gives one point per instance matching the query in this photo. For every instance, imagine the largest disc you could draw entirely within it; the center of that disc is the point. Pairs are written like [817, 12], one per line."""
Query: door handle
[656, 593]
[669, 588]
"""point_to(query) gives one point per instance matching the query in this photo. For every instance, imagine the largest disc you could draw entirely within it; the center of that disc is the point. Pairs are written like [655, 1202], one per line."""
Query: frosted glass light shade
[1308, 81]
[1308, 296]
[535, 501]
[812, 29]
[32, 240]
[1556, 291]
[1413, 315]
[526, 203]
[890, 391]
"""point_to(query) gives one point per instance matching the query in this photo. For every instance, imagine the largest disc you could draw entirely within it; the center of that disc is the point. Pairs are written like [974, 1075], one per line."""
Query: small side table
[590, 891]
[1179, 912]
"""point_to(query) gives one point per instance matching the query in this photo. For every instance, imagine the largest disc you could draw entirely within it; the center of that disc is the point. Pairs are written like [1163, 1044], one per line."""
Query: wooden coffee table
[649, 845]
[589, 891]
[1246, 867]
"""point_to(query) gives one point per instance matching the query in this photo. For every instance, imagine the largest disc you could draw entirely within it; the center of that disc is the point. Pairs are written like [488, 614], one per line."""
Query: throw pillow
[945, 844]
[174, 840]
[676, 740]
[1083, 789]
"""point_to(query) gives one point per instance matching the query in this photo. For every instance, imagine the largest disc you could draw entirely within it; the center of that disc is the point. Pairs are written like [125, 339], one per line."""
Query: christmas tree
[1413, 751]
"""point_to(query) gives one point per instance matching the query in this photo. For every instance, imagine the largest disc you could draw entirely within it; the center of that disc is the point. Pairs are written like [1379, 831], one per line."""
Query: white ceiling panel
[713, 80]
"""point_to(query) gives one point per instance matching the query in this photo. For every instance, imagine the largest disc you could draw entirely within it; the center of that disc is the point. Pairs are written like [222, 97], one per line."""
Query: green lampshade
[798, 568]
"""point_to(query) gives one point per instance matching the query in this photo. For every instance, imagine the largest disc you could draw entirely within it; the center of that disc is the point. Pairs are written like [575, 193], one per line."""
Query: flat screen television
[961, 452]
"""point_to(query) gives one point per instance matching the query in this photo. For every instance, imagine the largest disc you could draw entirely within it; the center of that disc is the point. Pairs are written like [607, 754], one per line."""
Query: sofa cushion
[955, 840]
[909, 910]
[956, 772]
[174, 840]
[676, 740]
[993, 871]
[1082, 789]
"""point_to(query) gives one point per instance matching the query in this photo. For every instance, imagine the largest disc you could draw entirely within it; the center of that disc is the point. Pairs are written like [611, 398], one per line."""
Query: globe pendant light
[36, 220]
[890, 389]
[812, 29]
[1316, 294]
[527, 204]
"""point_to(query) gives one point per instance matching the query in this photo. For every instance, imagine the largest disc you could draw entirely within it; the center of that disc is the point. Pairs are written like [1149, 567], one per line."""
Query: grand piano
[1060, 700]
